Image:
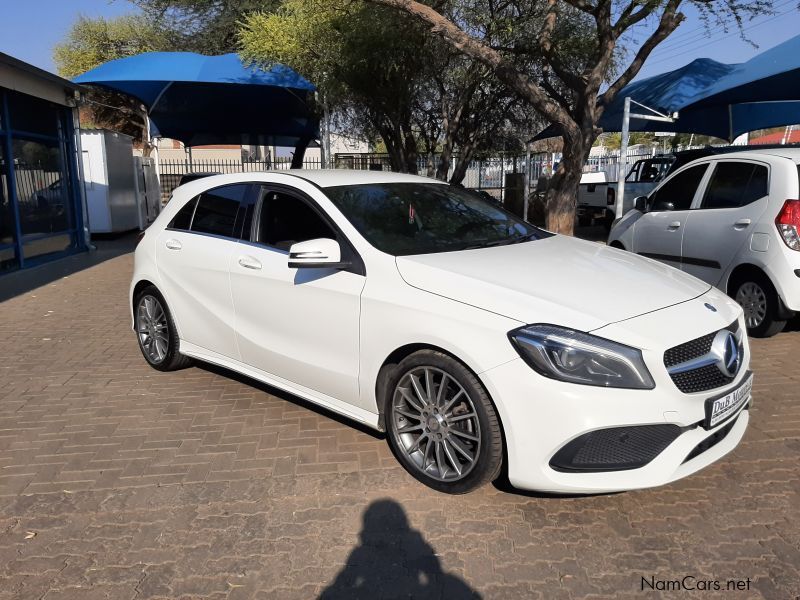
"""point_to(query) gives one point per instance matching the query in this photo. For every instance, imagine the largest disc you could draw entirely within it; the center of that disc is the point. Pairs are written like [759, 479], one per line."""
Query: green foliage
[91, 42]
[204, 26]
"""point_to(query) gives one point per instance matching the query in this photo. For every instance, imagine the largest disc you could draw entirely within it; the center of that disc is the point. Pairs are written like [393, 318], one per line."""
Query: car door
[193, 255]
[658, 233]
[736, 196]
[301, 325]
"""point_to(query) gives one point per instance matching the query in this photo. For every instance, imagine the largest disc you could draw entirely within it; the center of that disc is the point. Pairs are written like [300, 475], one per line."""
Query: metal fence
[487, 174]
[171, 171]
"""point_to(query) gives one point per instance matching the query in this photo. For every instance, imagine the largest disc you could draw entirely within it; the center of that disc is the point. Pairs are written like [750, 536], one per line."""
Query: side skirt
[342, 408]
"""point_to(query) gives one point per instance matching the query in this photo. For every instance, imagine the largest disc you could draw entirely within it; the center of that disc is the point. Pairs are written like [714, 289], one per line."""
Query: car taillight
[788, 223]
[610, 196]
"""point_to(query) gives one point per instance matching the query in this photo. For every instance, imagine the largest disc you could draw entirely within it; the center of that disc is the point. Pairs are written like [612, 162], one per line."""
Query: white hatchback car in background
[732, 220]
[471, 337]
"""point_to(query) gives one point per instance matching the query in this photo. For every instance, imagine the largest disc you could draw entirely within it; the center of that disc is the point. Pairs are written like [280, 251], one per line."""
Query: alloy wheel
[152, 328]
[436, 424]
[752, 298]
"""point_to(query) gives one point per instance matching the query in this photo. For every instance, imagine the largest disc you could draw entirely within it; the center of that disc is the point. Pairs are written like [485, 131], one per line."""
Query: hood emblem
[710, 307]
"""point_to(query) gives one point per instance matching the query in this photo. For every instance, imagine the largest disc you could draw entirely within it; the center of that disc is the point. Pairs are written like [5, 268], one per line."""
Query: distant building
[41, 198]
[788, 135]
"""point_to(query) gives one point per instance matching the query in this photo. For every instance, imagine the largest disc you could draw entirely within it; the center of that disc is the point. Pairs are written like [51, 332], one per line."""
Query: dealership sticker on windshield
[719, 409]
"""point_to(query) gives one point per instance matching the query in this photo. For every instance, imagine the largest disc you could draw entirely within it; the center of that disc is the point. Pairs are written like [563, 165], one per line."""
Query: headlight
[577, 357]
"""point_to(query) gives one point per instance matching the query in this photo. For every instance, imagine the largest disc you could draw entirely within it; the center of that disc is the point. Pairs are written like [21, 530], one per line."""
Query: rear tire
[756, 295]
[156, 332]
[441, 424]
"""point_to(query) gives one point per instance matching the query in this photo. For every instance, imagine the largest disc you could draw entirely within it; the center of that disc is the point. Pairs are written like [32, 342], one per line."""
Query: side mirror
[640, 203]
[322, 253]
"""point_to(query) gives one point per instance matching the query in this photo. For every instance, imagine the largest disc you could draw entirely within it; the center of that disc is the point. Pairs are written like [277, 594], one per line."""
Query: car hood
[559, 280]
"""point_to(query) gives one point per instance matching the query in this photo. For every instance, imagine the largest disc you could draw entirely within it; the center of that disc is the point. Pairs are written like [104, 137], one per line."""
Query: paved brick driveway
[117, 481]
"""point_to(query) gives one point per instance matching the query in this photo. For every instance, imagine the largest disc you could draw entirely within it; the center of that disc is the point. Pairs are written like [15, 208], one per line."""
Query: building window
[8, 257]
[39, 210]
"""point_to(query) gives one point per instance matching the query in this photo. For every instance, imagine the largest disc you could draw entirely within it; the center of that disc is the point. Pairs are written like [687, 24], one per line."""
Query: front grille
[704, 378]
[693, 348]
[701, 380]
[711, 441]
[615, 449]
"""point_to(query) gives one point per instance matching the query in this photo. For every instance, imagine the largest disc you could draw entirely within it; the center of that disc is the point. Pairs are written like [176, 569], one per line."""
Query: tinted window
[735, 184]
[216, 210]
[286, 220]
[679, 190]
[32, 114]
[183, 220]
[418, 218]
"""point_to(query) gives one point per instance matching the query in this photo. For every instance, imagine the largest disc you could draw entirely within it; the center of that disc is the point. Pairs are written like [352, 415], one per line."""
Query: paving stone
[117, 481]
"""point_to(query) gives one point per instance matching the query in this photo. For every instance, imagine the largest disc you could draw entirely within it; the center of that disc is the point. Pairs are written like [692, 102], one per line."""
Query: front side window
[420, 218]
[285, 219]
[678, 192]
[736, 184]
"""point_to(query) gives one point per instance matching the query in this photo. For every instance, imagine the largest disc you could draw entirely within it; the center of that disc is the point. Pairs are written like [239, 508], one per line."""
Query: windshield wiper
[502, 242]
[524, 238]
[488, 244]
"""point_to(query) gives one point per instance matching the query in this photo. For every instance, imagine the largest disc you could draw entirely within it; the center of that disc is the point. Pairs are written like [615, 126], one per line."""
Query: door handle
[173, 244]
[741, 223]
[248, 262]
[674, 225]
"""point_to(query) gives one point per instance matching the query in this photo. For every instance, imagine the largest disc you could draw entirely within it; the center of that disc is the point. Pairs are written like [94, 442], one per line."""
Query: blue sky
[32, 27]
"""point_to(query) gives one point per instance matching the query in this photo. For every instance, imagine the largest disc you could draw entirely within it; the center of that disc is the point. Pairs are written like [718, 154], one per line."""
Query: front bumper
[542, 416]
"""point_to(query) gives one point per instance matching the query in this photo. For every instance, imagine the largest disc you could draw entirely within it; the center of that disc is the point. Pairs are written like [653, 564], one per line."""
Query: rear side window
[678, 192]
[736, 184]
[183, 220]
[216, 210]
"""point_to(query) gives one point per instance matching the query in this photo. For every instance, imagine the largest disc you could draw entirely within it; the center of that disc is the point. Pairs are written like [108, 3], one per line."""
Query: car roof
[320, 177]
[790, 152]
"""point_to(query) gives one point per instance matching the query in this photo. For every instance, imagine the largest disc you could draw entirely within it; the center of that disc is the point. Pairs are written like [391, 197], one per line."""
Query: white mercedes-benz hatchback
[473, 339]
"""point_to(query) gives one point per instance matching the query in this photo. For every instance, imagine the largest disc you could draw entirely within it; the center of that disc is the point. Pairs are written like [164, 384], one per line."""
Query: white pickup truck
[644, 175]
[597, 197]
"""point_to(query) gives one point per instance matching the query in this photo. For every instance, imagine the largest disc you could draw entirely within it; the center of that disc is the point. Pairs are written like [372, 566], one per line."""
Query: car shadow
[393, 558]
[501, 484]
[288, 397]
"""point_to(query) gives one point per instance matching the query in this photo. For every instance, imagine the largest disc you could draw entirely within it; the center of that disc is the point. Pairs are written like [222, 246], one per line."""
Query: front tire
[441, 423]
[156, 331]
[759, 300]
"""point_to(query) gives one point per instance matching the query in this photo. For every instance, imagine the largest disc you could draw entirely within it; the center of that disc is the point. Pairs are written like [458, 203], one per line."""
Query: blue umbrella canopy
[667, 93]
[716, 99]
[214, 99]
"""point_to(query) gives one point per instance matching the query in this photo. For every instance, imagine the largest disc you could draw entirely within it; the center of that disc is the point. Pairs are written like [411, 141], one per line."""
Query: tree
[569, 84]
[91, 42]
[386, 77]
[205, 26]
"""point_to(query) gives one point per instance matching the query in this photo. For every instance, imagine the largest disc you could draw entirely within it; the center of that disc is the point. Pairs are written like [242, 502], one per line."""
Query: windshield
[422, 218]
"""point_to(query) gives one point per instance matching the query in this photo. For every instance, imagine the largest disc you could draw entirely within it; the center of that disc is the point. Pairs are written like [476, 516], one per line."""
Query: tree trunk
[562, 195]
[465, 153]
[443, 164]
[430, 170]
[300, 153]
[410, 152]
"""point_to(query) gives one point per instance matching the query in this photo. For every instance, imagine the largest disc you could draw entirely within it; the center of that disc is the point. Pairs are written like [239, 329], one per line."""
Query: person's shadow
[393, 561]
